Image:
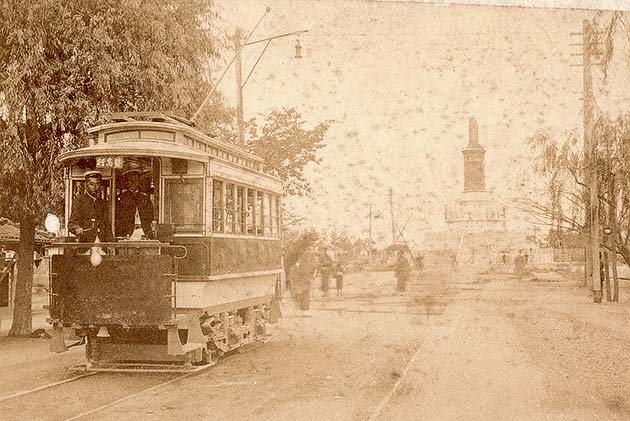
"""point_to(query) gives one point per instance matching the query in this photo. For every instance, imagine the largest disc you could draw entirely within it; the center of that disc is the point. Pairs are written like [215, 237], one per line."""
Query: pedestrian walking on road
[338, 274]
[301, 275]
[519, 265]
[325, 270]
[402, 272]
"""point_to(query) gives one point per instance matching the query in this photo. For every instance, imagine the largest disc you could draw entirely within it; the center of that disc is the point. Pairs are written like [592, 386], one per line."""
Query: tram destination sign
[109, 162]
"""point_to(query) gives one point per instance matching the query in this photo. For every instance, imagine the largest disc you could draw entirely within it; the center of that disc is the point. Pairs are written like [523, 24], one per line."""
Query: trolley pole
[590, 148]
[391, 211]
[370, 238]
[239, 87]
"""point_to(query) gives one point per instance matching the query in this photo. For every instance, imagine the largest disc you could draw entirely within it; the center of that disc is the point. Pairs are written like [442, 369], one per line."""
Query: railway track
[42, 388]
[33, 393]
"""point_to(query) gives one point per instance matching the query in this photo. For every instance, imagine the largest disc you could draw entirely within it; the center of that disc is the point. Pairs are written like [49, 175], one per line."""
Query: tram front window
[183, 204]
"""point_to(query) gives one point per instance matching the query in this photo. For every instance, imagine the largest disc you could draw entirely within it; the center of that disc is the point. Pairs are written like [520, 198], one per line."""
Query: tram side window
[241, 209]
[267, 212]
[275, 216]
[251, 207]
[183, 204]
[217, 206]
[260, 215]
[230, 209]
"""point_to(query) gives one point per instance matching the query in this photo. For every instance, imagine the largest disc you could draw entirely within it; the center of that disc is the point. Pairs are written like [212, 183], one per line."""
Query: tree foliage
[562, 163]
[63, 66]
[612, 30]
[287, 147]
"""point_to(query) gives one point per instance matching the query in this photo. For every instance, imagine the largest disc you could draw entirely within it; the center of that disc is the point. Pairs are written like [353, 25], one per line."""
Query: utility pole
[370, 239]
[239, 87]
[592, 204]
[391, 212]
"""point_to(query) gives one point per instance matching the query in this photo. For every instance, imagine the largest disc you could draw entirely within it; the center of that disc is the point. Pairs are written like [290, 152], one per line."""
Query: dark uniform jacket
[126, 206]
[86, 208]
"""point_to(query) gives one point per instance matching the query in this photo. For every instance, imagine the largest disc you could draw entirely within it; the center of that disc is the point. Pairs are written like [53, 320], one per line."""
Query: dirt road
[448, 348]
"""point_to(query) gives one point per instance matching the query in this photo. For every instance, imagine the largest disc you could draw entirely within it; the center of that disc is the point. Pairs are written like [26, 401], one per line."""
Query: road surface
[452, 347]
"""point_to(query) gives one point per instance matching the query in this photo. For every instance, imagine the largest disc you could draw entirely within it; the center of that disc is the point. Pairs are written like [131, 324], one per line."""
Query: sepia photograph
[315, 210]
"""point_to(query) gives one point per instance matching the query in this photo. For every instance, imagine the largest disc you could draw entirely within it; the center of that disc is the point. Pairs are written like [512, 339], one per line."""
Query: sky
[398, 81]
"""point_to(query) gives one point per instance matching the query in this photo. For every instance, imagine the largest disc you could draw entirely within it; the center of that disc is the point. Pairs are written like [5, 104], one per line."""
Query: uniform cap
[93, 174]
[132, 171]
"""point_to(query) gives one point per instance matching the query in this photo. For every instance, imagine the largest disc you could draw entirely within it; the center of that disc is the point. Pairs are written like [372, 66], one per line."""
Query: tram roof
[159, 134]
[138, 148]
[169, 122]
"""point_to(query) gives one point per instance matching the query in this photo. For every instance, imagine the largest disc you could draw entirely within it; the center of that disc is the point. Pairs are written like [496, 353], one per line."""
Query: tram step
[193, 346]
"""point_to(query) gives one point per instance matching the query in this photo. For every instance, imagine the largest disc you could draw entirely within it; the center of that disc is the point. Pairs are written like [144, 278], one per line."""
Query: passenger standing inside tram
[134, 208]
[325, 270]
[89, 217]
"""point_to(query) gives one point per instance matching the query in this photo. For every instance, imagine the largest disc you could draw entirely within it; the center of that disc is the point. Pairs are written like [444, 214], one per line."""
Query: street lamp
[238, 47]
[298, 49]
[240, 84]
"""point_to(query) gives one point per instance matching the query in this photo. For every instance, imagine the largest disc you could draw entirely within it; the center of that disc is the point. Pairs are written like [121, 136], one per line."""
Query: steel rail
[41, 388]
[157, 386]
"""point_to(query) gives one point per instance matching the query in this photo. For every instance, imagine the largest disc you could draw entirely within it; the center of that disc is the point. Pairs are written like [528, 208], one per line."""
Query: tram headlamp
[95, 256]
[52, 223]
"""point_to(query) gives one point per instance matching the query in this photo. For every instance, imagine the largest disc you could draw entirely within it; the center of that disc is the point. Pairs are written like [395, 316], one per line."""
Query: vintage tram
[204, 281]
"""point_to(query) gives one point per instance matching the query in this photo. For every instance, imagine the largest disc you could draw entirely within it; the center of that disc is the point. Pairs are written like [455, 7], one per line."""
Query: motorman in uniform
[89, 217]
[134, 208]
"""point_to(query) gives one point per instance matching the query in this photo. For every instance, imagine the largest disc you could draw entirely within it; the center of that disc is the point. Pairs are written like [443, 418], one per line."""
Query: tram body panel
[225, 255]
[215, 294]
[122, 290]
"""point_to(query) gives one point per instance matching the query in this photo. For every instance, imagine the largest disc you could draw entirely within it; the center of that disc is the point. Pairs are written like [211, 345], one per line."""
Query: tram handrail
[120, 245]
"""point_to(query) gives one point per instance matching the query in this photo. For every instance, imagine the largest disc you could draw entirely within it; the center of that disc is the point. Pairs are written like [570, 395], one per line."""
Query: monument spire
[474, 177]
[473, 133]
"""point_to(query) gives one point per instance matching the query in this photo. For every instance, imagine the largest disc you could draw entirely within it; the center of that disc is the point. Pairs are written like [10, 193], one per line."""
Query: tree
[561, 163]
[564, 166]
[287, 147]
[63, 66]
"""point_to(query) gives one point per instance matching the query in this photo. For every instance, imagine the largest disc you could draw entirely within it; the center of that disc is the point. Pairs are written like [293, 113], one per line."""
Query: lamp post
[240, 84]
[238, 45]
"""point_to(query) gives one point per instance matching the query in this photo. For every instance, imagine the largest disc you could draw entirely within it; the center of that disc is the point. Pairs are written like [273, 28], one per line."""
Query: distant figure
[526, 258]
[89, 217]
[420, 262]
[325, 270]
[301, 275]
[338, 274]
[402, 272]
[519, 265]
[454, 261]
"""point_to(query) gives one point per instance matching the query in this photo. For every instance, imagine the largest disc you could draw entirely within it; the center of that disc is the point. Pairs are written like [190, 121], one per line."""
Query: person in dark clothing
[301, 275]
[133, 207]
[338, 275]
[325, 270]
[89, 217]
[402, 272]
[519, 265]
